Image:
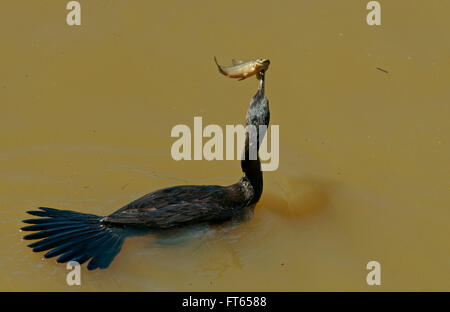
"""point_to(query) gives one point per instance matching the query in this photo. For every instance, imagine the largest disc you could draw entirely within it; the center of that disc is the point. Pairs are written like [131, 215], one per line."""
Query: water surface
[86, 114]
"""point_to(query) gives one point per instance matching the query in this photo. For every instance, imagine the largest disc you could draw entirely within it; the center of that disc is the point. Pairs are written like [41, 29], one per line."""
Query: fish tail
[74, 236]
[219, 67]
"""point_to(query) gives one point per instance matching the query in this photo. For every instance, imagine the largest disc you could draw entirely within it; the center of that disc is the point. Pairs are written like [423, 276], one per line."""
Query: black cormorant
[75, 236]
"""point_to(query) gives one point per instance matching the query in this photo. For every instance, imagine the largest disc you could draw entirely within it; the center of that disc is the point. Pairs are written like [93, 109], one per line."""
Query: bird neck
[257, 115]
[252, 179]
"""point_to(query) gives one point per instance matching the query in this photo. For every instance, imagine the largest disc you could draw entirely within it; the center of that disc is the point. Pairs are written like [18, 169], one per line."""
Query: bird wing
[175, 206]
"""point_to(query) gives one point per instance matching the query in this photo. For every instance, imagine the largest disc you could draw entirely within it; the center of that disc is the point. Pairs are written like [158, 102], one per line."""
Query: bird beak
[261, 81]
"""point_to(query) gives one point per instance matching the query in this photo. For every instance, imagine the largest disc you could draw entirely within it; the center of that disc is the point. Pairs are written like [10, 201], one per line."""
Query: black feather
[74, 236]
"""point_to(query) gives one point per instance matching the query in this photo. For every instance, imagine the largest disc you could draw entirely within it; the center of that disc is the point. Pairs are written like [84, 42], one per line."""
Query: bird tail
[74, 236]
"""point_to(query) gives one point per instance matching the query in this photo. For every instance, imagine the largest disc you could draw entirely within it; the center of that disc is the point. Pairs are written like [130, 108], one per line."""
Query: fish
[243, 70]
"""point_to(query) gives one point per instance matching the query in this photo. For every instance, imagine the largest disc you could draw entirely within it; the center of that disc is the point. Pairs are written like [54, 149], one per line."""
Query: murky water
[86, 114]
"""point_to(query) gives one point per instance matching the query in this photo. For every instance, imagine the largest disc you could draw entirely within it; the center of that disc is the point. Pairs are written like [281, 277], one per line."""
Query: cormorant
[75, 236]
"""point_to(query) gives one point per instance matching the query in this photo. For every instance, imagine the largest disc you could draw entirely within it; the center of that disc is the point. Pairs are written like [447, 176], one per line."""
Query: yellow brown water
[86, 114]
